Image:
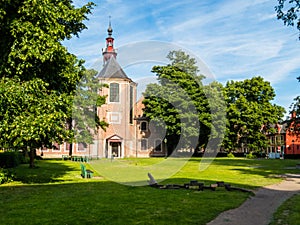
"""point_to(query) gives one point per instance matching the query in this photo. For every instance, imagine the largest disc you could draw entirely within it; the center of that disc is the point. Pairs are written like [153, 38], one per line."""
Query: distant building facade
[286, 141]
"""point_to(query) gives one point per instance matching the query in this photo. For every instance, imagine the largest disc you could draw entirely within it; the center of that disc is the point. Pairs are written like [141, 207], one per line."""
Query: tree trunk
[31, 158]
[71, 150]
[24, 152]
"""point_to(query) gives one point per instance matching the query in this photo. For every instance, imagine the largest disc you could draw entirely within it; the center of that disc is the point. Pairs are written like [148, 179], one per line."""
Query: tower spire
[109, 51]
[109, 30]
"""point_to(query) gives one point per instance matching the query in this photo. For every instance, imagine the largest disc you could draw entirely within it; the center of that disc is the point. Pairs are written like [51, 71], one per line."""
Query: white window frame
[111, 115]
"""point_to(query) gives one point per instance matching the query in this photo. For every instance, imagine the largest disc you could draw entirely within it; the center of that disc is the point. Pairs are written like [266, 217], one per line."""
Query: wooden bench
[86, 173]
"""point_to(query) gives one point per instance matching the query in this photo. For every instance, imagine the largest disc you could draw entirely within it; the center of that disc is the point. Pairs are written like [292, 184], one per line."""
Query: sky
[230, 39]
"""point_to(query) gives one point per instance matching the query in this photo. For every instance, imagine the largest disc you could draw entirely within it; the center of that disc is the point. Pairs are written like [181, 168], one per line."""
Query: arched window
[114, 92]
[144, 144]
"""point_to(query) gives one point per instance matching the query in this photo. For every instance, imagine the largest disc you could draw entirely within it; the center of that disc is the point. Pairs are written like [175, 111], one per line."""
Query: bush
[250, 156]
[230, 155]
[6, 175]
[10, 159]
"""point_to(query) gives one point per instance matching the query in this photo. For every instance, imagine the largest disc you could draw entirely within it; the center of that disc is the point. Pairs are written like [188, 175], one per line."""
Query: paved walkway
[258, 209]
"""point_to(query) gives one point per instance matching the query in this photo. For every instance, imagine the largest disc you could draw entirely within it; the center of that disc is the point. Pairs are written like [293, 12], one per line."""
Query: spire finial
[109, 30]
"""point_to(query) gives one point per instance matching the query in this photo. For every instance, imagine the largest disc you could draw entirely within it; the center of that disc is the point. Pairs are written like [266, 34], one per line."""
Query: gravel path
[258, 209]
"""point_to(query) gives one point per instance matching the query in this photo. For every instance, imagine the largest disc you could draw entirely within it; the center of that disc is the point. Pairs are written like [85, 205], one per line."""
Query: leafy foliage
[11, 159]
[6, 175]
[86, 100]
[38, 74]
[31, 116]
[30, 45]
[179, 102]
[249, 108]
[288, 12]
[251, 156]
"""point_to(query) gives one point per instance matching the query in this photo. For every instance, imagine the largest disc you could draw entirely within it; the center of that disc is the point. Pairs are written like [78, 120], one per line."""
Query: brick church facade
[128, 133]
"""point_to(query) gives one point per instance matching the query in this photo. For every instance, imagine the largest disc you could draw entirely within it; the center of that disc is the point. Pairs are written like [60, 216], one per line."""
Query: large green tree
[31, 116]
[32, 55]
[178, 102]
[249, 109]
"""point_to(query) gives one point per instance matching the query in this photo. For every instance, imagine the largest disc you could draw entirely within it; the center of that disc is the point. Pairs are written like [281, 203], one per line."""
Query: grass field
[55, 193]
[288, 212]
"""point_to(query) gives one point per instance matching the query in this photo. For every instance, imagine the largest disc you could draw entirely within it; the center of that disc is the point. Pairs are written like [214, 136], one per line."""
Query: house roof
[112, 69]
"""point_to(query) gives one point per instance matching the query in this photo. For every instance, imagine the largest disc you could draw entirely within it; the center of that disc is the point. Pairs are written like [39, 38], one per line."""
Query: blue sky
[233, 39]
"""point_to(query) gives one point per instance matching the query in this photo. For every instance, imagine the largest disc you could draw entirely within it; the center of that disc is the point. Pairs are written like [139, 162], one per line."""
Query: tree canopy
[30, 46]
[179, 103]
[31, 116]
[34, 61]
[249, 108]
[288, 12]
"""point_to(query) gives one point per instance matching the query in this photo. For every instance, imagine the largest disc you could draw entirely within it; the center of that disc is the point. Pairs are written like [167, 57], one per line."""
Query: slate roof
[112, 69]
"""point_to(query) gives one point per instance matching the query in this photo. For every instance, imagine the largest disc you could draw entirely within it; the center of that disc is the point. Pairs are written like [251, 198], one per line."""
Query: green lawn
[288, 212]
[54, 193]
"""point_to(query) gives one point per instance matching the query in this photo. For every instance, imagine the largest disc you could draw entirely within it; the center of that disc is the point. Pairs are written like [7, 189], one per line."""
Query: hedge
[11, 159]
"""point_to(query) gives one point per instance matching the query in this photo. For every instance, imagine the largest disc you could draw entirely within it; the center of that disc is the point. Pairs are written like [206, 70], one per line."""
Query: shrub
[10, 159]
[250, 156]
[6, 175]
[230, 155]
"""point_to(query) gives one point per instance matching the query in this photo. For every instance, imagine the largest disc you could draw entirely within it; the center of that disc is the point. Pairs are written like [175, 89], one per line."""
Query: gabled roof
[114, 137]
[112, 69]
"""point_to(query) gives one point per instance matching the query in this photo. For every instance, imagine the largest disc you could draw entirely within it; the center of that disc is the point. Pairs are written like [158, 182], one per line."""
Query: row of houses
[286, 139]
[129, 133]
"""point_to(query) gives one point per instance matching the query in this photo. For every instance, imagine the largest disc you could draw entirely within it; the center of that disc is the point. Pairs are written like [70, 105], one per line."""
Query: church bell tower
[109, 51]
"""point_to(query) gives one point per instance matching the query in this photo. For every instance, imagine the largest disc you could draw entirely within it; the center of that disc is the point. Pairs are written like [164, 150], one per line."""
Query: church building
[129, 133]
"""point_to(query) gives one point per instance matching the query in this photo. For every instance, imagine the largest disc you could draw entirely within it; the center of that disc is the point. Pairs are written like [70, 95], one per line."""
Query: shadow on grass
[105, 202]
[92, 201]
[46, 171]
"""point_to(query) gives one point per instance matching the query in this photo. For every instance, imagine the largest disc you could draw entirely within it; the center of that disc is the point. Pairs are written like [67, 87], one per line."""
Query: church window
[144, 144]
[131, 105]
[114, 92]
[144, 126]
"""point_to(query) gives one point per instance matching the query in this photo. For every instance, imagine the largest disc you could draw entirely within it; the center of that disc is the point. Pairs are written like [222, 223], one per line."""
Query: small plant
[230, 155]
[250, 156]
[6, 176]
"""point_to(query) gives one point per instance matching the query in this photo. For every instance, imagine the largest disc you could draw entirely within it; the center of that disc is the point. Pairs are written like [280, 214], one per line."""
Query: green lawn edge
[55, 193]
